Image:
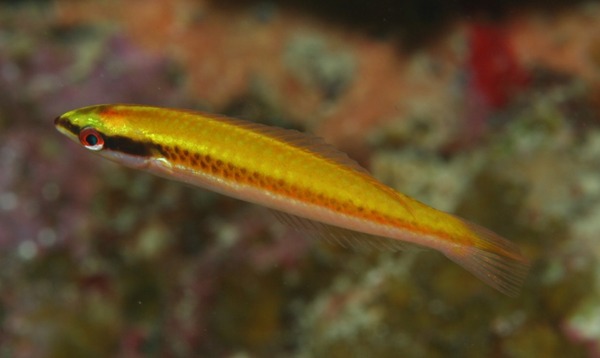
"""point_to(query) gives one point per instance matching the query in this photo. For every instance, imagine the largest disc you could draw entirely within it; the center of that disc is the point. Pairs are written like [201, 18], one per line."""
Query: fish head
[104, 131]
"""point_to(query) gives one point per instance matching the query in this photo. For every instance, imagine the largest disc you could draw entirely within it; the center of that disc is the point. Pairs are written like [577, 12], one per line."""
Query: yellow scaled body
[317, 187]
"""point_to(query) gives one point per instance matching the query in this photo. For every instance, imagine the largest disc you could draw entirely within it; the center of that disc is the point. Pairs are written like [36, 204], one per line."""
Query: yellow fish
[311, 185]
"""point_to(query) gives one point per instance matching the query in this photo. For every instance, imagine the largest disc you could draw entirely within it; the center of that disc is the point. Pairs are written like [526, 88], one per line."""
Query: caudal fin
[494, 260]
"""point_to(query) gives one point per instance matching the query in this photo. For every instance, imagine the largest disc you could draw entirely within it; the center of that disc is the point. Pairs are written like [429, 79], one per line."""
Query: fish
[309, 184]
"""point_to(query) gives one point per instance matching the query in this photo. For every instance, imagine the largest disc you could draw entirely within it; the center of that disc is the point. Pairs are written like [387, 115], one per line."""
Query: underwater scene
[488, 111]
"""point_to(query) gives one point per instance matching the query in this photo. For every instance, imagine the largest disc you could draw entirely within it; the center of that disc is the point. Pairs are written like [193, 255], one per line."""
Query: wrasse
[310, 184]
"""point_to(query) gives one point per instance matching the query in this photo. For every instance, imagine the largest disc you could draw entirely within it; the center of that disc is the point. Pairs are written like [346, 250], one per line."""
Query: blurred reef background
[490, 110]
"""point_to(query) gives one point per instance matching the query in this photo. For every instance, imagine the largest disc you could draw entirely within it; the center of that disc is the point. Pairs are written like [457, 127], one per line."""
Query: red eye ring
[91, 139]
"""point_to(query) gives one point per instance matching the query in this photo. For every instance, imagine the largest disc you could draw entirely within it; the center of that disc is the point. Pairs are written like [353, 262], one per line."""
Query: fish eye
[91, 139]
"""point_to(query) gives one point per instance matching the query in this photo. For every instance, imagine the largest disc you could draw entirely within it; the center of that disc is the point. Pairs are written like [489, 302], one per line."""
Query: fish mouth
[65, 126]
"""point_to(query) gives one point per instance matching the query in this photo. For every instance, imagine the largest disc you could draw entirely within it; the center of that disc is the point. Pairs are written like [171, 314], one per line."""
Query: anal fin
[340, 236]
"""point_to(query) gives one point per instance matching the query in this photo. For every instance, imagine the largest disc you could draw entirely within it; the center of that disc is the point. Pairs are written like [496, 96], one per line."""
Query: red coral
[495, 75]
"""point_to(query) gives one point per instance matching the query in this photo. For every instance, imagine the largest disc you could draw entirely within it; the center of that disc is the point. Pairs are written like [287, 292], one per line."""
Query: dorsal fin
[307, 141]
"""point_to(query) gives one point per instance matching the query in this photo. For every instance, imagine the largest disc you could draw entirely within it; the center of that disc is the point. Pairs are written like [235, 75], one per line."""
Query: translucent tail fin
[493, 259]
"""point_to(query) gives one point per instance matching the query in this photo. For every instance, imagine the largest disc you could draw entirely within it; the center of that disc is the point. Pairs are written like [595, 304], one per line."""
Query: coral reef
[492, 118]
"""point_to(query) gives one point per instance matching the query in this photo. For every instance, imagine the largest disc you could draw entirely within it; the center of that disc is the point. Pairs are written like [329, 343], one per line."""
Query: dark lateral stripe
[65, 123]
[129, 146]
[118, 143]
